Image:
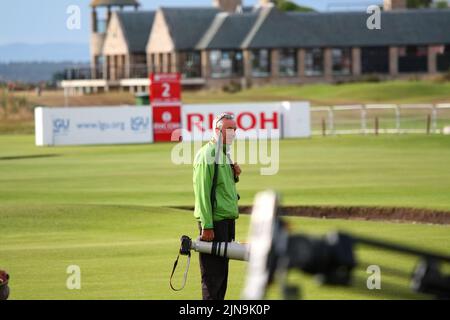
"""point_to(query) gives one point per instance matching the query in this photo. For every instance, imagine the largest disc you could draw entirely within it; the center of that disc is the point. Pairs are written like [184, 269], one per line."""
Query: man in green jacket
[216, 202]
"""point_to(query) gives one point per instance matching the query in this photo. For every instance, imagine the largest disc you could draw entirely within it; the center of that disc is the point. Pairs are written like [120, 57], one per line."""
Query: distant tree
[286, 5]
[417, 4]
[442, 4]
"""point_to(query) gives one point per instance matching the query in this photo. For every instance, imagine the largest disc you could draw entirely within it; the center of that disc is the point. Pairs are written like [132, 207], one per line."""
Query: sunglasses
[226, 116]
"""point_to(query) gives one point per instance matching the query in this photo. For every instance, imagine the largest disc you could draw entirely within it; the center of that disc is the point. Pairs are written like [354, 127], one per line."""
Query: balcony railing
[110, 73]
[139, 71]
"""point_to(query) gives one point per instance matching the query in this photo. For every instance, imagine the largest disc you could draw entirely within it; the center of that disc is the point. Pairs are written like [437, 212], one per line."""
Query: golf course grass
[107, 209]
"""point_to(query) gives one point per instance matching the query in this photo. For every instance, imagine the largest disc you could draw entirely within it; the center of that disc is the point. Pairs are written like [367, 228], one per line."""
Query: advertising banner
[84, 126]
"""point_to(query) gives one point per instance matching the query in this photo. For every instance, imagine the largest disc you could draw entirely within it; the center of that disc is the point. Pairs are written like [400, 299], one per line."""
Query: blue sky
[44, 21]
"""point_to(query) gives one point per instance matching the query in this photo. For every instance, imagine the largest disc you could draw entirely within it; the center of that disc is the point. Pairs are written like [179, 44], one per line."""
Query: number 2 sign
[165, 88]
[165, 98]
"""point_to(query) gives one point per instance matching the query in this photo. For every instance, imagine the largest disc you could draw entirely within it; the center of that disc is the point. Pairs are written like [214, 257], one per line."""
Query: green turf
[387, 170]
[127, 252]
[104, 208]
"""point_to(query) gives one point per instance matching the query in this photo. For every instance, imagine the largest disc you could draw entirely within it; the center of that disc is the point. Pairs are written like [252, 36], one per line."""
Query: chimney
[394, 5]
[227, 5]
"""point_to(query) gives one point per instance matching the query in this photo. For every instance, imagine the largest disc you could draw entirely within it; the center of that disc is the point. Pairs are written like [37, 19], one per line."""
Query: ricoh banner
[86, 126]
[271, 120]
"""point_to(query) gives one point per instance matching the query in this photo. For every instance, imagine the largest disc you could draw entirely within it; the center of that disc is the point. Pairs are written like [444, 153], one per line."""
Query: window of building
[190, 64]
[443, 58]
[260, 60]
[413, 59]
[139, 68]
[342, 61]
[375, 60]
[152, 63]
[101, 25]
[99, 65]
[226, 63]
[314, 62]
[288, 62]
[169, 62]
[160, 67]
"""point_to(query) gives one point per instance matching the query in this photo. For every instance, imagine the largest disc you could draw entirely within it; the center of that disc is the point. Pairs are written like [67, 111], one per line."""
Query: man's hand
[207, 235]
[237, 170]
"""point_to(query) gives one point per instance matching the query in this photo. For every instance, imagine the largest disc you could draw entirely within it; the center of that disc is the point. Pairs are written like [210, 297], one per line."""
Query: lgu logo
[140, 123]
[61, 125]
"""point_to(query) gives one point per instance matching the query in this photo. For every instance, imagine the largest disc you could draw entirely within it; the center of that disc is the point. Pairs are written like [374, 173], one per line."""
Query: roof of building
[136, 26]
[188, 25]
[104, 3]
[228, 31]
[278, 29]
[209, 28]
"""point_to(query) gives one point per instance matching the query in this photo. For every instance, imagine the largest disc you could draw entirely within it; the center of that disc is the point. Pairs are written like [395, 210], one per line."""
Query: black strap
[218, 148]
[236, 178]
[185, 273]
[214, 182]
[214, 185]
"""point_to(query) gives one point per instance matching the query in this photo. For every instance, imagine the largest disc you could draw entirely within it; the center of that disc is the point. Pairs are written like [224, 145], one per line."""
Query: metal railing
[380, 119]
[135, 71]
[111, 73]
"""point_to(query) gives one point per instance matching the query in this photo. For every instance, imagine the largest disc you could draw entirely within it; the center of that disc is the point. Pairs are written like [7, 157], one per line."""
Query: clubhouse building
[227, 43]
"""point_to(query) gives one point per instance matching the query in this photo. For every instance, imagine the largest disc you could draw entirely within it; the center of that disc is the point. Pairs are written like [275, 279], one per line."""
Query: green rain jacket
[226, 194]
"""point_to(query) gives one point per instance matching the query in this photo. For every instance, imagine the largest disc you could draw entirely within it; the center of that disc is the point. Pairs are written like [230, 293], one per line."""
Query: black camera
[4, 288]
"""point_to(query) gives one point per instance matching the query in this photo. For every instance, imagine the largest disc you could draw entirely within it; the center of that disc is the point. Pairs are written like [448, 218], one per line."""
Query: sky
[45, 21]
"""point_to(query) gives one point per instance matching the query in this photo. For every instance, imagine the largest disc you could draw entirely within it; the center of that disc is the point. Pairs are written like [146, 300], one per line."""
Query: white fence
[380, 119]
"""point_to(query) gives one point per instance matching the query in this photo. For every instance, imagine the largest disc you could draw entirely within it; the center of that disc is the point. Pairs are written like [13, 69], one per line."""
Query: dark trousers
[214, 270]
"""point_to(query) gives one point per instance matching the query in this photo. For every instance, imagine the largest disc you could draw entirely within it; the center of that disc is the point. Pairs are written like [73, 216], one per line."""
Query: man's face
[228, 131]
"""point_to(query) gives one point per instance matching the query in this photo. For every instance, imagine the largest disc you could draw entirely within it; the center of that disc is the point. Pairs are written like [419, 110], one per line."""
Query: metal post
[363, 119]
[376, 126]
[324, 127]
[428, 124]
[434, 119]
[397, 118]
[331, 120]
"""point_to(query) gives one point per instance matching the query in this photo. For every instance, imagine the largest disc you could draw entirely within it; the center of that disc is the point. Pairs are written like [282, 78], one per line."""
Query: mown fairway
[106, 209]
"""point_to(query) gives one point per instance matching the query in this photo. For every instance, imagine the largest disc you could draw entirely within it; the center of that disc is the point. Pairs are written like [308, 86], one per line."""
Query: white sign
[269, 120]
[86, 126]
